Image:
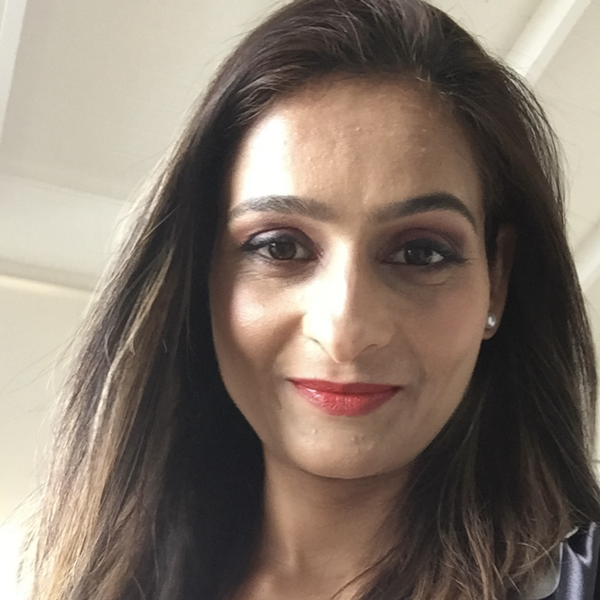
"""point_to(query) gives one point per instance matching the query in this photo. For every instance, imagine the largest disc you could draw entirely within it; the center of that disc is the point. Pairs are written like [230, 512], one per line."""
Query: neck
[321, 531]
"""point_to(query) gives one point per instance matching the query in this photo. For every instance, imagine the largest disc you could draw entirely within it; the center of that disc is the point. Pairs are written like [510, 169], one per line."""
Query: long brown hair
[155, 483]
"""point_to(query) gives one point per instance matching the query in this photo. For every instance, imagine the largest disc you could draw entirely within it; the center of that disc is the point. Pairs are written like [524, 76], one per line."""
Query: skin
[346, 297]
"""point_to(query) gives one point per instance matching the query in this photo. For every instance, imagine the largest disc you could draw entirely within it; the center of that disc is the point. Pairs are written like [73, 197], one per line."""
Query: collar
[547, 578]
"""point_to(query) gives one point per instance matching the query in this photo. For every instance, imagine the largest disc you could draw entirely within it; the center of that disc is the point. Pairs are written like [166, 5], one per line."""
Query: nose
[346, 312]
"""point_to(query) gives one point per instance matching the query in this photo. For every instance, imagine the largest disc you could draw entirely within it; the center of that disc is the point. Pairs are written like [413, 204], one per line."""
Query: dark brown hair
[155, 483]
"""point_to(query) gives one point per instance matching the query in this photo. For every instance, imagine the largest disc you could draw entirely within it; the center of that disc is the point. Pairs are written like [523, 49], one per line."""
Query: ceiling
[92, 94]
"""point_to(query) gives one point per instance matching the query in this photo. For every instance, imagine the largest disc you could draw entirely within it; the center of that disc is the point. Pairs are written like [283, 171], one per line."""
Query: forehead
[359, 141]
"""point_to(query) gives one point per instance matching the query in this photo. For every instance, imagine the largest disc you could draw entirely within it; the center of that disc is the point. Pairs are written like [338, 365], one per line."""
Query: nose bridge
[346, 311]
[347, 286]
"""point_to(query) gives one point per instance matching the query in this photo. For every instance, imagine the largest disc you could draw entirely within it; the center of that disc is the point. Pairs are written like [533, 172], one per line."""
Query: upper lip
[343, 388]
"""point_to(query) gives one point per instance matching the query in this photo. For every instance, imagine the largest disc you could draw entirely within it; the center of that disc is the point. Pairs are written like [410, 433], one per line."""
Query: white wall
[54, 234]
[36, 322]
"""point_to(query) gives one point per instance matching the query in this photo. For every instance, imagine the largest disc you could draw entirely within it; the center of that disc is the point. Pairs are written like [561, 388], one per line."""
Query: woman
[344, 351]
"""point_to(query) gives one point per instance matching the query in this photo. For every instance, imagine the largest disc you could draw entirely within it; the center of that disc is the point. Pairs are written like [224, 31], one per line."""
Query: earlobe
[499, 273]
[491, 322]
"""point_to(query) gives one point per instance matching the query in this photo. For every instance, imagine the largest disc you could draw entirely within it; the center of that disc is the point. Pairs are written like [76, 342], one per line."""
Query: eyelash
[446, 254]
[270, 239]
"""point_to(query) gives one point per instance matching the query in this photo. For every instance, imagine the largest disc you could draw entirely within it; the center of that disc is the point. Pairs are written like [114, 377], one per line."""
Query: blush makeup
[345, 399]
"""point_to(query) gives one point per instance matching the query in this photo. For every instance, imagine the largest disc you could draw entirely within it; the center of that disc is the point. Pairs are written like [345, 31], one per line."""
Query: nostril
[345, 336]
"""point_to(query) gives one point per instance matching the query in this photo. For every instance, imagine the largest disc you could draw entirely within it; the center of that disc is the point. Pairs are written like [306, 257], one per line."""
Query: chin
[352, 465]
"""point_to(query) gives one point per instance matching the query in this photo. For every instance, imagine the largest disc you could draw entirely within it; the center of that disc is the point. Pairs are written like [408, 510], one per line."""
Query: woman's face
[353, 252]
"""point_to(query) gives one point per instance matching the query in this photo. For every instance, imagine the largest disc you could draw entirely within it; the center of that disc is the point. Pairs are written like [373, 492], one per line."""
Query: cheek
[449, 333]
[247, 327]
[460, 320]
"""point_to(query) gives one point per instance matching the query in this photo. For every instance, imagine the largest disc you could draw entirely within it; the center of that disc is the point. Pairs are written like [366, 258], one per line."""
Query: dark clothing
[577, 578]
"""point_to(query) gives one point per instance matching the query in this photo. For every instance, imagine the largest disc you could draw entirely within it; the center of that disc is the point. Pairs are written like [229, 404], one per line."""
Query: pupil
[418, 256]
[282, 250]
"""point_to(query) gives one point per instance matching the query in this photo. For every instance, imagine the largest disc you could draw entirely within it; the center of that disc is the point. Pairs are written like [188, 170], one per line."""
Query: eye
[277, 246]
[424, 252]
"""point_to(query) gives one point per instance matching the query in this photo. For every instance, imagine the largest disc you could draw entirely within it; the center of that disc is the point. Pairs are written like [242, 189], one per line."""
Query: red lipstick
[345, 399]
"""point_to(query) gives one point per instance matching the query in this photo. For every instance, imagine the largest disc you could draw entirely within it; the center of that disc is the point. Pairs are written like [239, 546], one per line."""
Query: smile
[344, 399]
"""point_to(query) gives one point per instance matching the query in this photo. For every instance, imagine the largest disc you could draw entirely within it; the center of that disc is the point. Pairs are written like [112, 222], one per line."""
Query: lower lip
[346, 405]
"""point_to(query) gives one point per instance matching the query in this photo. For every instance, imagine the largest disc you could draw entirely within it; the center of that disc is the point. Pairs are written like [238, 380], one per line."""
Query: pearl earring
[491, 321]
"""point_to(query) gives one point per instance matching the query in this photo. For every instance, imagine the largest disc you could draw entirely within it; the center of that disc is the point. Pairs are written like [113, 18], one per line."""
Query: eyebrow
[309, 207]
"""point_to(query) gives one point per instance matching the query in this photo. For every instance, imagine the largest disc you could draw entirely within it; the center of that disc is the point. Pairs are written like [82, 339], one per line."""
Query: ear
[499, 272]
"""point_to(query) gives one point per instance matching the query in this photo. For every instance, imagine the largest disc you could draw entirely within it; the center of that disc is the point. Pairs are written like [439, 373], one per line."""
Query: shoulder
[577, 574]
